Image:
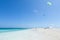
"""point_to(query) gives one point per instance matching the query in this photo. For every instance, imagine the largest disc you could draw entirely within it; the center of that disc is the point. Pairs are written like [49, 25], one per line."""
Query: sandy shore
[32, 34]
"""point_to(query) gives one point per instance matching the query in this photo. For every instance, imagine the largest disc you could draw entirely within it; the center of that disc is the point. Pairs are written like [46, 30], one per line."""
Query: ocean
[3, 30]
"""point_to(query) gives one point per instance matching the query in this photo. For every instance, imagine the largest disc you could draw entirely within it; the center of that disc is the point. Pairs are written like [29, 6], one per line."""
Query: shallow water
[3, 30]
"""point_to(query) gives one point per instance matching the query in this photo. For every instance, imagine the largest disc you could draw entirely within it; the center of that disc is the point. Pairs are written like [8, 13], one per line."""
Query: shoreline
[32, 34]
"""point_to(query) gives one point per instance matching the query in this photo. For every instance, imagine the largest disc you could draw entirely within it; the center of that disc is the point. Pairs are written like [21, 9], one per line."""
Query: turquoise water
[2, 30]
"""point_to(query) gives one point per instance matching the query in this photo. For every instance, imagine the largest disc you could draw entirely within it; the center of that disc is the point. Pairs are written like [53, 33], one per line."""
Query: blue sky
[29, 13]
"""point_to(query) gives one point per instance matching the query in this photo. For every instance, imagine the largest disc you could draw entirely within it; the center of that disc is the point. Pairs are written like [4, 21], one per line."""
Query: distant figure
[47, 27]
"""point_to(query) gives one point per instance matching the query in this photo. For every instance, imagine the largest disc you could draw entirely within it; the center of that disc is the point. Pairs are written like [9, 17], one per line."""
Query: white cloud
[35, 11]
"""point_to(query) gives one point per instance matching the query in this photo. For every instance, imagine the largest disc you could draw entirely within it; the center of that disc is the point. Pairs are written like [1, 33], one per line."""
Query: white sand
[32, 34]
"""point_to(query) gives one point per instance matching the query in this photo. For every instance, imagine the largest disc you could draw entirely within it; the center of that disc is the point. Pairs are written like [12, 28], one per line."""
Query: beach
[32, 34]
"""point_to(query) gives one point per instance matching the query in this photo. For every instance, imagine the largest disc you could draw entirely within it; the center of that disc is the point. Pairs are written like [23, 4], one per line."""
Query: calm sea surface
[2, 30]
